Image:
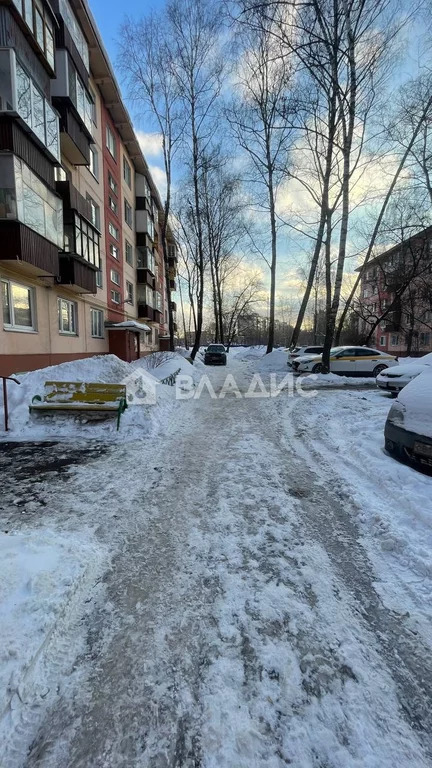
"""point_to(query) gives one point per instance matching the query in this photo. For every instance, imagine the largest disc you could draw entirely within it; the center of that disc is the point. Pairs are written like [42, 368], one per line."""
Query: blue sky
[109, 15]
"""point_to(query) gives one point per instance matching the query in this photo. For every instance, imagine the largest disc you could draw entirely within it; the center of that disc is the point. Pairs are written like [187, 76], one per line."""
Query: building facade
[395, 302]
[79, 274]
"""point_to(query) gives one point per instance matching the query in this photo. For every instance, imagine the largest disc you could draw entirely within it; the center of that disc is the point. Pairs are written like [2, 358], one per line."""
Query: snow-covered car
[401, 375]
[293, 354]
[348, 361]
[408, 429]
[215, 354]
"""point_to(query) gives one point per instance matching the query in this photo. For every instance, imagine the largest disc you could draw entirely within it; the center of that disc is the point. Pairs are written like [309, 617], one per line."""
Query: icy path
[238, 624]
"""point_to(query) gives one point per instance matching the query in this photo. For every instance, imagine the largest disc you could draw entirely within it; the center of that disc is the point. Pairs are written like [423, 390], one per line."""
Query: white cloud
[159, 179]
[150, 143]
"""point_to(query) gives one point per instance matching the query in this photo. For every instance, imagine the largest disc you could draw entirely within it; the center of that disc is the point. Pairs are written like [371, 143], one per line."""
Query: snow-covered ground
[245, 586]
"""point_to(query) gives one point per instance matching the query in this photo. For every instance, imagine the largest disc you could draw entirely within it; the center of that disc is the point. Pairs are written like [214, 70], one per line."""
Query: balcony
[36, 22]
[72, 199]
[22, 100]
[146, 312]
[74, 141]
[73, 101]
[173, 306]
[175, 327]
[26, 249]
[145, 277]
[144, 224]
[77, 275]
[173, 285]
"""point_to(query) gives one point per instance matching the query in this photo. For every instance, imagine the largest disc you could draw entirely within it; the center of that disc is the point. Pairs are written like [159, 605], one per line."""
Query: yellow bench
[81, 397]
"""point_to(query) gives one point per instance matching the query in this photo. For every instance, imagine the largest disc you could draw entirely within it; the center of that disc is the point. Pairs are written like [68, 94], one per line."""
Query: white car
[396, 379]
[348, 361]
[293, 354]
[408, 429]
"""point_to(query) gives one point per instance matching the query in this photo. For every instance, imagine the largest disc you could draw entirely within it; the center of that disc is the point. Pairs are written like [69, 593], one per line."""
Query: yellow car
[348, 361]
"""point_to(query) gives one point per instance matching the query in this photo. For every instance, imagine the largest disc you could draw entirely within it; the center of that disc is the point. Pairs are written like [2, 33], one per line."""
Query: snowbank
[41, 572]
[274, 362]
[247, 353]
[164, 364]
[333, 380]
[137, 421]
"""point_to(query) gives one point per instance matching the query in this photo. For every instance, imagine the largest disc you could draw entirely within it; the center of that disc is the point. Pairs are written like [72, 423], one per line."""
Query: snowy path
[238, 624]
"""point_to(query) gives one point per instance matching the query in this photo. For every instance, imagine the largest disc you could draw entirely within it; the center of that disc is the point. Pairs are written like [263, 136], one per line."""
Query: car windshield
[215, 348]
[335, 350]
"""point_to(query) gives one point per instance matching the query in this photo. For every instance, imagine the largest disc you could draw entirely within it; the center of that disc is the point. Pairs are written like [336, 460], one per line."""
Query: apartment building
[395, 301]
[73, 267]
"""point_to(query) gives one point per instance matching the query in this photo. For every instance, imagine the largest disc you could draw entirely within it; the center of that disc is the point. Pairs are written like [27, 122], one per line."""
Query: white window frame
[113, 230]
[128, 246]
[94, 166]
[112, 183]
[99, 277]
[130, 292]
[115, 277]
[72, 305]
[110, 142]
[113, 205]
[95, 209]
[392, 342]
[128, 210]
[12, 326]
[382, 341]
[114, 300]
[127, 173]
[95, 312]
[113, 248]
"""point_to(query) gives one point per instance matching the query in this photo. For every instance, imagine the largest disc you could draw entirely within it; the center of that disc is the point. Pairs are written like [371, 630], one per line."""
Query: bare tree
[260, 120]
[240, 301]
[146, 61]
[194, 29]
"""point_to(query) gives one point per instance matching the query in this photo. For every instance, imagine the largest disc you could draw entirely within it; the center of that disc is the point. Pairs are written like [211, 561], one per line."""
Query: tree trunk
[271, 329]
[200, 295]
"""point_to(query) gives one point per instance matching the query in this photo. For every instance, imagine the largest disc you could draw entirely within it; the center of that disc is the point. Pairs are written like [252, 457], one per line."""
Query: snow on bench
[81, 397]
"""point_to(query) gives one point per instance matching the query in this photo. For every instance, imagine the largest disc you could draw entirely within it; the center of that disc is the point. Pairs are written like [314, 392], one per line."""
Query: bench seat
[81, 397]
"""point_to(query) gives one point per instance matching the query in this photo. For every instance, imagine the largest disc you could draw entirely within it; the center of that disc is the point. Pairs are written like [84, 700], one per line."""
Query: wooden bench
[81, 397]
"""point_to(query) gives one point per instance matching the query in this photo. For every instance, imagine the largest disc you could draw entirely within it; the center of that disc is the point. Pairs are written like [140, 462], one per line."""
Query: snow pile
[41, 572]
[142, 417]
[274, 362]
[333, 380]
[164, 364]
[247, 353]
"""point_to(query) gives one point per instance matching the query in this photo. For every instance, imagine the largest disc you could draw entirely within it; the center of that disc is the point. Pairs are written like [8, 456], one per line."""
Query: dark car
[215, 354]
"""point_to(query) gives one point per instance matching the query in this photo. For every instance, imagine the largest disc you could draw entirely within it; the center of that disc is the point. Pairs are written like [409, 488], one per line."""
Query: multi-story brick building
[395, 301]
[71, 174]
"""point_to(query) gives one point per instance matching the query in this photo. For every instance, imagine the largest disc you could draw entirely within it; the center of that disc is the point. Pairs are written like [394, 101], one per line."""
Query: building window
[115, 297]
[24, 197]
[94, 163]
[425, 339]
[114, 232]
[146, 260]
[130, 292]
[18, 306]
[394, 340]
[97, 323]
[382, 341]
[67, 316]
[75, 31]
[129, 253]
[112, 184]
[37, 17]
[115, 277]
[114, 251]
[99, 277]
[95, 212]
[112, 204]
[93, 110]
[81, 238]
[110, 142]
[157, 301]
[128, 213]
[127, 173]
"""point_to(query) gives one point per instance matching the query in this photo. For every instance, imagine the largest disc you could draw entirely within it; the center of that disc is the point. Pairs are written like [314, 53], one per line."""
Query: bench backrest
[83, 392]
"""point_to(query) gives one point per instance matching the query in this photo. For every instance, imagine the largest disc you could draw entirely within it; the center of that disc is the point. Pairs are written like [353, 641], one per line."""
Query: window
[99, 278]
[81, 238]
[365, 352]
[95, 212]
[425, 339]
[114, 232]
[127, 173]
[145, 260]
[115, 297]
[112, 204]
[23, 196]
[130, 292]
[112, 184]
[110, 142]
[115, 277]
[78, 94]
[94, 162]
[129, 253]
[128, 213]
[71, 24]
[37, 17]
[18, 306]
[382, 341]
[157, 301]
[114, 251]
[97, 323]
[67, 316]
[394, 340]
[93, 107]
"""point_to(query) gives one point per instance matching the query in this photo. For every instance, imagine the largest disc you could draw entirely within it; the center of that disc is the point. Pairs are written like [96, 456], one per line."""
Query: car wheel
[379, 369]
[317, 368]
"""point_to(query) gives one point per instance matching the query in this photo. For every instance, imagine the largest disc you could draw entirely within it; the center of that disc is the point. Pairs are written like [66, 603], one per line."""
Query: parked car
[397, 378]
[215, 354]
[347, 361]
[408, 429]
[293, 354]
